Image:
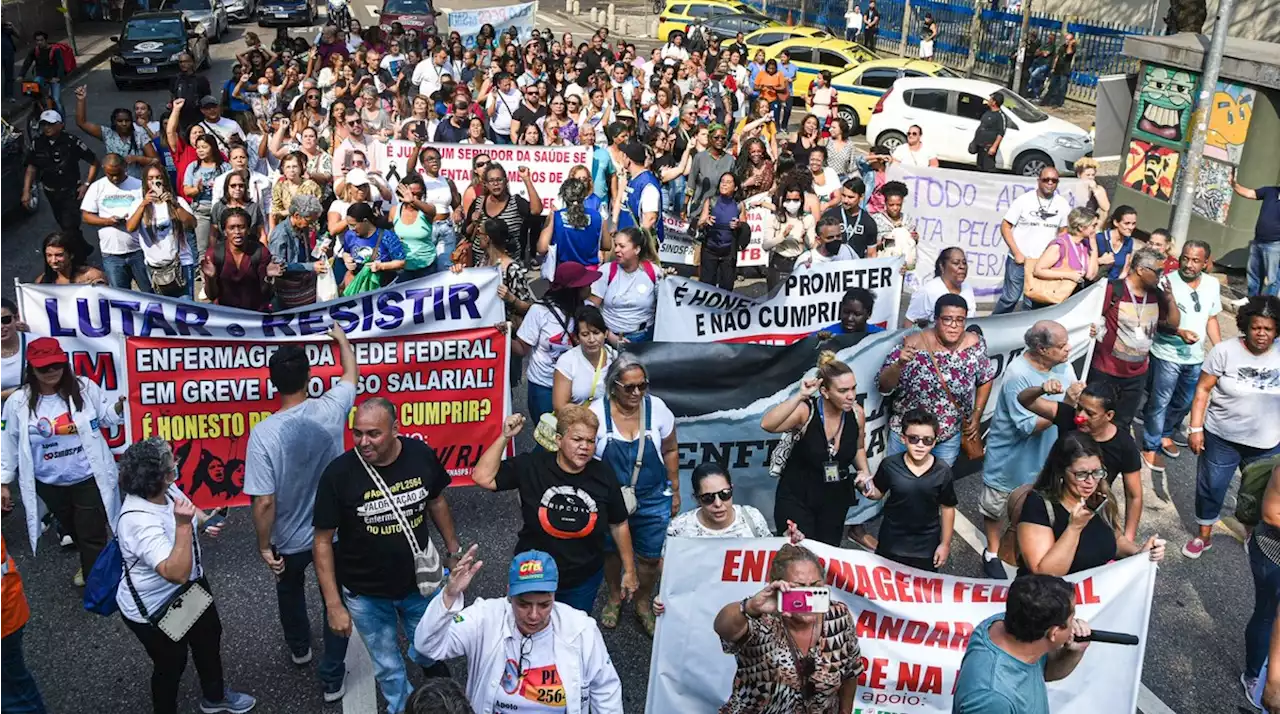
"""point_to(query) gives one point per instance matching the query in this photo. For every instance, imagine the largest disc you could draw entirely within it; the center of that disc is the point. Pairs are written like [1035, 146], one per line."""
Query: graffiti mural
[1229, 116]
[1151, 169]
[1213, 192]
[1164, 104]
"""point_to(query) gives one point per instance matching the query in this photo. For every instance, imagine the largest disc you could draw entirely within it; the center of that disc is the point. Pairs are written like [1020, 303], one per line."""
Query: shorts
[993, 503]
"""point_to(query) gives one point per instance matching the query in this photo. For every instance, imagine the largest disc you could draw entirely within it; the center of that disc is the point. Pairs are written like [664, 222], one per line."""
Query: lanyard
[832, 447]
[595, 379]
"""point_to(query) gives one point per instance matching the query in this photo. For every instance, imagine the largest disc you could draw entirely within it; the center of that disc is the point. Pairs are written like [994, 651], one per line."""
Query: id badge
[831, 472]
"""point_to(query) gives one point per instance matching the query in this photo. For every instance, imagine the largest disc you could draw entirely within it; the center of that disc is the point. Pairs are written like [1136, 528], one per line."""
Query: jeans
[539, 401]
[583, 595]
[948, 450]
[1264, 268]
[1128, 395]
[1172, 387]
[1038, 74]
[53, 90]
[1057, 90]
[291, 596]
[123, 270]
[1215, 469]
[169, 659]
[500, 138]
[1266, 595]
[673, 198]
[199, 242]
[378, 621]
[79, 509]
[1011, 292]
[189, 272]
[786, 109]
[18, 691]
[446, 241]
[776, 107]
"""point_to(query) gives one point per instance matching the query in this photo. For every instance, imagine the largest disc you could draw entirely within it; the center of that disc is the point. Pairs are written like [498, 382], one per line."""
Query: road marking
[548, 20]
[1148, 702]
[361, 697]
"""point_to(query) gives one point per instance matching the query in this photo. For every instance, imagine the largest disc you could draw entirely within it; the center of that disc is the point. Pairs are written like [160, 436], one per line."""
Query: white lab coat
[15, 456]
[481, 632]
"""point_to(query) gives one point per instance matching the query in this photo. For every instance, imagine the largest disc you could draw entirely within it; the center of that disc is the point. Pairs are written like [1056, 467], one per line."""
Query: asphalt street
[88, 663]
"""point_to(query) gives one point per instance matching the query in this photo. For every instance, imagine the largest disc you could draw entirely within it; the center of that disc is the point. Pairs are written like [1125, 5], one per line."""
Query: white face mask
[791, 206]
[264, 90]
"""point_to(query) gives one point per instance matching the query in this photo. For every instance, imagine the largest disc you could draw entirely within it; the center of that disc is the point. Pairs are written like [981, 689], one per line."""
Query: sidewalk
[94, 45]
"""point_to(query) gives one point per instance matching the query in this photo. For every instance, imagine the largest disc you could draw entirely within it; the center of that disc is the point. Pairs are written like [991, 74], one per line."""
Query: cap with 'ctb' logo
[532, 571]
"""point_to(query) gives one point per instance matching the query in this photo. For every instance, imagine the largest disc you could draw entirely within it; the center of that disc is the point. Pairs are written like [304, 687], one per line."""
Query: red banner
[205, 397]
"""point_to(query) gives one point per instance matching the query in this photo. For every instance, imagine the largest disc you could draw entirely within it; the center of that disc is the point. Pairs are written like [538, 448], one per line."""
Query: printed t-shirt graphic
[568, 512]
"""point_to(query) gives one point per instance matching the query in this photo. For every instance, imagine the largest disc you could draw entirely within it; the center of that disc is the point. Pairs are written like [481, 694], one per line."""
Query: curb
[83, 64]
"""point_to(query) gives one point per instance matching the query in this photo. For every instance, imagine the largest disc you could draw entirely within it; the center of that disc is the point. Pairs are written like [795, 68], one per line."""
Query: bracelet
[742, 606]
[1195, 429]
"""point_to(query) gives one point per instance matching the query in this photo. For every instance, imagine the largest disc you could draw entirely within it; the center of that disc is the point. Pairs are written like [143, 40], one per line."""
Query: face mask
[791, 206]
[264, 90]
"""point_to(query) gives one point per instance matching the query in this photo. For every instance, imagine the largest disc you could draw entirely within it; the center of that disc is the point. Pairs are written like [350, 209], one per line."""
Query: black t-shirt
[596, 60]
[1097, 541]
[912, 524]
[527, 116]
[859, 230]
[566, 515]
[664, 162]
[1120, 455]
[372, 554]
[990, 127]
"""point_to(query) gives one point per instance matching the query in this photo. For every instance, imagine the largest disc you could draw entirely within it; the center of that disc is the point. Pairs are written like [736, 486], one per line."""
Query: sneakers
[1195, 547]
[1250, 685]
[232, 702]
[78, 580]
[301, 659]
[993, 568]
[1153, 460]
[1170, 449]
[66, 541]
[335, 691]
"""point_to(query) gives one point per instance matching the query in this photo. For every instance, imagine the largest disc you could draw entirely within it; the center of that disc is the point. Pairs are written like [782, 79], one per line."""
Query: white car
[948, 110]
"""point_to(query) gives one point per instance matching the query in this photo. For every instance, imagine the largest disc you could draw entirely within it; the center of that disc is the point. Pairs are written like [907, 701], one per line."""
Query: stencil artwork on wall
[1151, 169]
[1230, 111]
[1213, 192]
[1164, 104]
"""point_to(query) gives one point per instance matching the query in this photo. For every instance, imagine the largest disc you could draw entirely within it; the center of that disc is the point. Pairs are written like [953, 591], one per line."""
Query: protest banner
[548, 165]
[93, 322]
[719, 392]
[965, 209]
[204, 398]
[678, 247]
[912, 627]
[809, 300]
[467, 23]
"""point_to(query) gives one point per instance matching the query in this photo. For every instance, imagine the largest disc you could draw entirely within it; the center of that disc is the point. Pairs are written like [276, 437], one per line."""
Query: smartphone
[1096, 507]
[216, 519]
[805, 600]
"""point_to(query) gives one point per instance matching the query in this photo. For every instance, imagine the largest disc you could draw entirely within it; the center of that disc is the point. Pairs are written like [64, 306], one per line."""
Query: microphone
[1110, 638]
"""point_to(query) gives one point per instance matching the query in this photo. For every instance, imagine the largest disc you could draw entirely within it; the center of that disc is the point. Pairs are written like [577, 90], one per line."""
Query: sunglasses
[50, 368]
[913, 133]
[354, 123]
[1094, 475]
[914, 439]
[6, 319]
[1195, 300]
[1048, 180]
[707, 499]
[637, 388]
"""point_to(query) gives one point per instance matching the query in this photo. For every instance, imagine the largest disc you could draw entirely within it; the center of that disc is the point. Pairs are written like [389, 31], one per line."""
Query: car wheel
[850, 117]
[891, 139]
[1031, 163]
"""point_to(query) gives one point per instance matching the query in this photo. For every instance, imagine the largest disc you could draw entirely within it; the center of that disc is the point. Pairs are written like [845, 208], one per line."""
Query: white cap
[49, 116]
[357, 177]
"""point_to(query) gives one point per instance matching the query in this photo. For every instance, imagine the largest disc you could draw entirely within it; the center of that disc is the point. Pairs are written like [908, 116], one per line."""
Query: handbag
[972, 447]
[168, 276]
[183, 609]
[1048, 292]
[782, 452]
[428, 571]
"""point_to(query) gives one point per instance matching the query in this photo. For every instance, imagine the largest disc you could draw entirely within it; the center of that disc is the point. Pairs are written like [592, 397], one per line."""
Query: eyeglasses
[951, 320]
[915, 439]
[355, 122]
[913, 133]
[235, 185]
[707, 499]
[526, 650]
[1195, 300]
[1094, 475]
[637, 388]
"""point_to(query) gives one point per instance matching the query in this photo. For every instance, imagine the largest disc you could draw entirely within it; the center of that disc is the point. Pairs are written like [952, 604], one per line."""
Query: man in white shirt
[830, 247]
[1033, 220]
[213, 122]
[502, 107]
[357, 140]
[430, 75]
[914, 152]
[107, 205]
[853, 23]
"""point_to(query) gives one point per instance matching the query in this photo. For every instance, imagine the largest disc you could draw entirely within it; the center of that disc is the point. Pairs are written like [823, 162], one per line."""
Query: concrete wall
[1252, 19]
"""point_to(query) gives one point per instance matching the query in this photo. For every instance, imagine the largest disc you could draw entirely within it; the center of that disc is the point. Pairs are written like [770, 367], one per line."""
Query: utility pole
[1021, 53]
[906, 28]
[66, 17]
[1200, 124]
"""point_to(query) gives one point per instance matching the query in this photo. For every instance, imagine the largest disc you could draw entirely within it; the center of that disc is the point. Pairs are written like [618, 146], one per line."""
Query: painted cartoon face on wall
[1166, 103]
[1228, 121]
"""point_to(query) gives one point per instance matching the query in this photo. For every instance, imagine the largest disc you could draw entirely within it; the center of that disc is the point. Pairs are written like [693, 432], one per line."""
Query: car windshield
[944, 72]
[196, 5]
[408, 7]
[1021, 108]
[169, 28]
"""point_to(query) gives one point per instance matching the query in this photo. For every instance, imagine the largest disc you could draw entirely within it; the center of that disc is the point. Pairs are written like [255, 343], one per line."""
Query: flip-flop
[648, 621]
[609, 615]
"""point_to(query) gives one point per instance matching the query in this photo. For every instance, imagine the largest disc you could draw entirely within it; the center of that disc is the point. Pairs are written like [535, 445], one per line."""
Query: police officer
[55, 161]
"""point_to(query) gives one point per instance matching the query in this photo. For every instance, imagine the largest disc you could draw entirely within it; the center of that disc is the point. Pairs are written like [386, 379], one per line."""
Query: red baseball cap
[45, 351]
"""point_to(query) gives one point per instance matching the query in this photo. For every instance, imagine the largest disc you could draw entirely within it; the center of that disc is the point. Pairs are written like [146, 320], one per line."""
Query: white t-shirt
[629, 301]
[11, 368]
[506, 103]
[831, 184]
[651, 200]
[439, 193]
[747, 523]
[545, 334]
[813, 257]
[146, 533]
[854, 21]
[538, 689]
[1244, 404]
[429, 77]
[224, 128]
[159, 246]
[56, 449]
[1195, 309]
[923, 300]
[109, 200]
[585, 374]
[904, 155]
[671, 52]
[661, 423]
[1036, 221]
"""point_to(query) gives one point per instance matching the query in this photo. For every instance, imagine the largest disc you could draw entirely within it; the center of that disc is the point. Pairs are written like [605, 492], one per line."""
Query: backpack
[648, 270]
[1009, 551]
[220, 256]
[102, 581]
[66, 54]
[1253, 486]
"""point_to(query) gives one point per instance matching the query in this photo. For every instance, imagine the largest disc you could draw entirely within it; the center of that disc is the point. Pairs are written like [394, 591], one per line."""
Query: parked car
[861, 87]
[411, 14]
[727, 27]
[678, 15]
[948, 110]
[811, 55]
[777, 32]
[148, 48]
[241, 10]
[209, 15]
[287, 13]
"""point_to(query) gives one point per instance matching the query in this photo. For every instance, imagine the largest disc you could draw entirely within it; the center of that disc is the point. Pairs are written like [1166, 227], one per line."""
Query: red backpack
[66, 54]
[648, 270]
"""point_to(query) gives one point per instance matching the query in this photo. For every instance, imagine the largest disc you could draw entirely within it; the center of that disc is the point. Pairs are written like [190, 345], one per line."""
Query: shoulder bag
[973, 448]
[180, 612]
[427, 569]
[782, 452]
[1049, 292]
[629, 491]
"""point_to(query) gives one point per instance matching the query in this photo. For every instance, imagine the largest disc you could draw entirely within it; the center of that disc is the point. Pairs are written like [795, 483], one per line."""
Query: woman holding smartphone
[162, 222]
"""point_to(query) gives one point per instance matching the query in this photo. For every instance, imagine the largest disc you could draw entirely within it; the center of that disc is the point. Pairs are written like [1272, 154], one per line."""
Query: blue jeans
[673, 198]
[1266, 595]
[1036, 83]
[53, 90]
[1168, 400]
[1215, 469]
[1011, 292]
[378, 621]
[446, 239]
[776, 107]
[582, 596]
[1057, 90]
[291, 597]
[189, 272]
[1264, 268]
[123, 270]
[18, 690]
[539, 401]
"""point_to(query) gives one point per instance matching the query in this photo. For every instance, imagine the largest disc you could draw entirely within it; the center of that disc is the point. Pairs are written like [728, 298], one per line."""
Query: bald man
[383, 556]
[106, 206]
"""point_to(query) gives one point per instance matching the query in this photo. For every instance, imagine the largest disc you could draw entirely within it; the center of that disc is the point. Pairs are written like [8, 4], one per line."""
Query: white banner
[809, 300]
[467, 23]
[92, 322]
[548, 165]
[966, 208]
[912, 627]
[678, 245]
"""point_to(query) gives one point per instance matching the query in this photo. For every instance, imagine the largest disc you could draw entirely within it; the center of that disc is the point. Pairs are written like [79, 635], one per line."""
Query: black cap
[635, 151]
[208, 101]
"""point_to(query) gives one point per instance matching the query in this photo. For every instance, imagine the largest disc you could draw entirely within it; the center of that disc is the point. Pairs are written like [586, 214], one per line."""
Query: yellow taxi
[679, 14]
[812, 55]
[858, 89]
[766, 36]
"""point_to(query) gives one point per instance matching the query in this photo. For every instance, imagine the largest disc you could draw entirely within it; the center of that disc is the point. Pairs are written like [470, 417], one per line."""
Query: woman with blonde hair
[816, 486]
[1073, 256]
[1086, 168]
